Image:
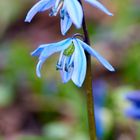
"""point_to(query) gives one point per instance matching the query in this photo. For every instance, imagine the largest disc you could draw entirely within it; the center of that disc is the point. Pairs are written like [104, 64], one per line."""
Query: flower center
[66, 65]
[70, 50]
[65, 62]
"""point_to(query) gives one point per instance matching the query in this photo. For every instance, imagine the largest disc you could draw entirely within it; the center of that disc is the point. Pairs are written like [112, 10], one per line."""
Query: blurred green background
[45, 109]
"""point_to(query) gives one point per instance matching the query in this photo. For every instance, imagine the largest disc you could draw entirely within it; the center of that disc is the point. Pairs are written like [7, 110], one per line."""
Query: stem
[88, 85]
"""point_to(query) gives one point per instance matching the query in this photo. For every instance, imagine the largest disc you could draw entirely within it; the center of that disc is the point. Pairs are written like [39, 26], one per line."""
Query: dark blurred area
[45, 109]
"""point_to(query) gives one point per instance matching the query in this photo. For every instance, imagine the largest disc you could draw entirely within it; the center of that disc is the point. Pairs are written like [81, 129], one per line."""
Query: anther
[58, 66]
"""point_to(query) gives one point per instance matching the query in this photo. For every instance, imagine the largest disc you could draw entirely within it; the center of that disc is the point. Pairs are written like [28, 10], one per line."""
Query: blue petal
[133, 112]
[100, 6]
[60, 58]
[91, 51]
[57, 3]
[38, 51]
[48, 50]
[134, 97]
[75, 11]
[63, 61]
[65, 22]
[38, 68]
[49, 4]
[41, 6]
[80, 65]
[66, 76]
[54, 47]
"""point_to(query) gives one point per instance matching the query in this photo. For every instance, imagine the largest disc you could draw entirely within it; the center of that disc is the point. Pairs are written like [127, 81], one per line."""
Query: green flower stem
[88, 86]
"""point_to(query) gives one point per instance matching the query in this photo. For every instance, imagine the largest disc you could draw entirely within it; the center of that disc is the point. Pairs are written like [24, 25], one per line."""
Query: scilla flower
[134, 110]
[72, 61]
[70, 11]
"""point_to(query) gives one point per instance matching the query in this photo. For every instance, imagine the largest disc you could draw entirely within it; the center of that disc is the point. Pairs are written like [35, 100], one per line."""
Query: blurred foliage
[11, 14]
[132, 65]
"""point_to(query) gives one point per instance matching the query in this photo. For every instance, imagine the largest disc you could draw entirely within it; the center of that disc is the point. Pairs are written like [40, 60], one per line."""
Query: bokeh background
[45, 109]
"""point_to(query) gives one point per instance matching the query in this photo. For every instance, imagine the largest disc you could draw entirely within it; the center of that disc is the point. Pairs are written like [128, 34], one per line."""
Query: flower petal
[41, 6]
[91, 51]
[75, 11]
[48, 50]
[65, 22]
[38, 51]
[57, 3]
[38, 68]
[133, 112]
[66, 61]
[134, 97]
[66, 76]
[100, 6]
[54, 47]
[80, 64]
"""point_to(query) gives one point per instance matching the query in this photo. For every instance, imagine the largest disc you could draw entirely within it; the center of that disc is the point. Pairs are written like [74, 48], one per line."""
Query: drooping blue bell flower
[70, 11]
[72, 61]
[133, 111]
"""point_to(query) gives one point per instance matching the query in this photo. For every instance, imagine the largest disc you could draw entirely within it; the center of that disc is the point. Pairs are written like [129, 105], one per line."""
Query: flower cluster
[70, 11]
[134, 110]
[72, 62]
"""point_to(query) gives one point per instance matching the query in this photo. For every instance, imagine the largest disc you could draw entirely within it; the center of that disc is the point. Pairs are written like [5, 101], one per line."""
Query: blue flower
[99, 93]
[72, 61]
[70, 11]
[134, 110]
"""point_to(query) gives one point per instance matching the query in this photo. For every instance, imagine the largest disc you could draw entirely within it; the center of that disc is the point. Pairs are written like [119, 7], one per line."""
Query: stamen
[60, 58]
[71, 60]
[62, 13]
[55, 9]
[59, 62]
[66, 68]
[59, 6]
[64, 63]
[69, 66]
[58, 67]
